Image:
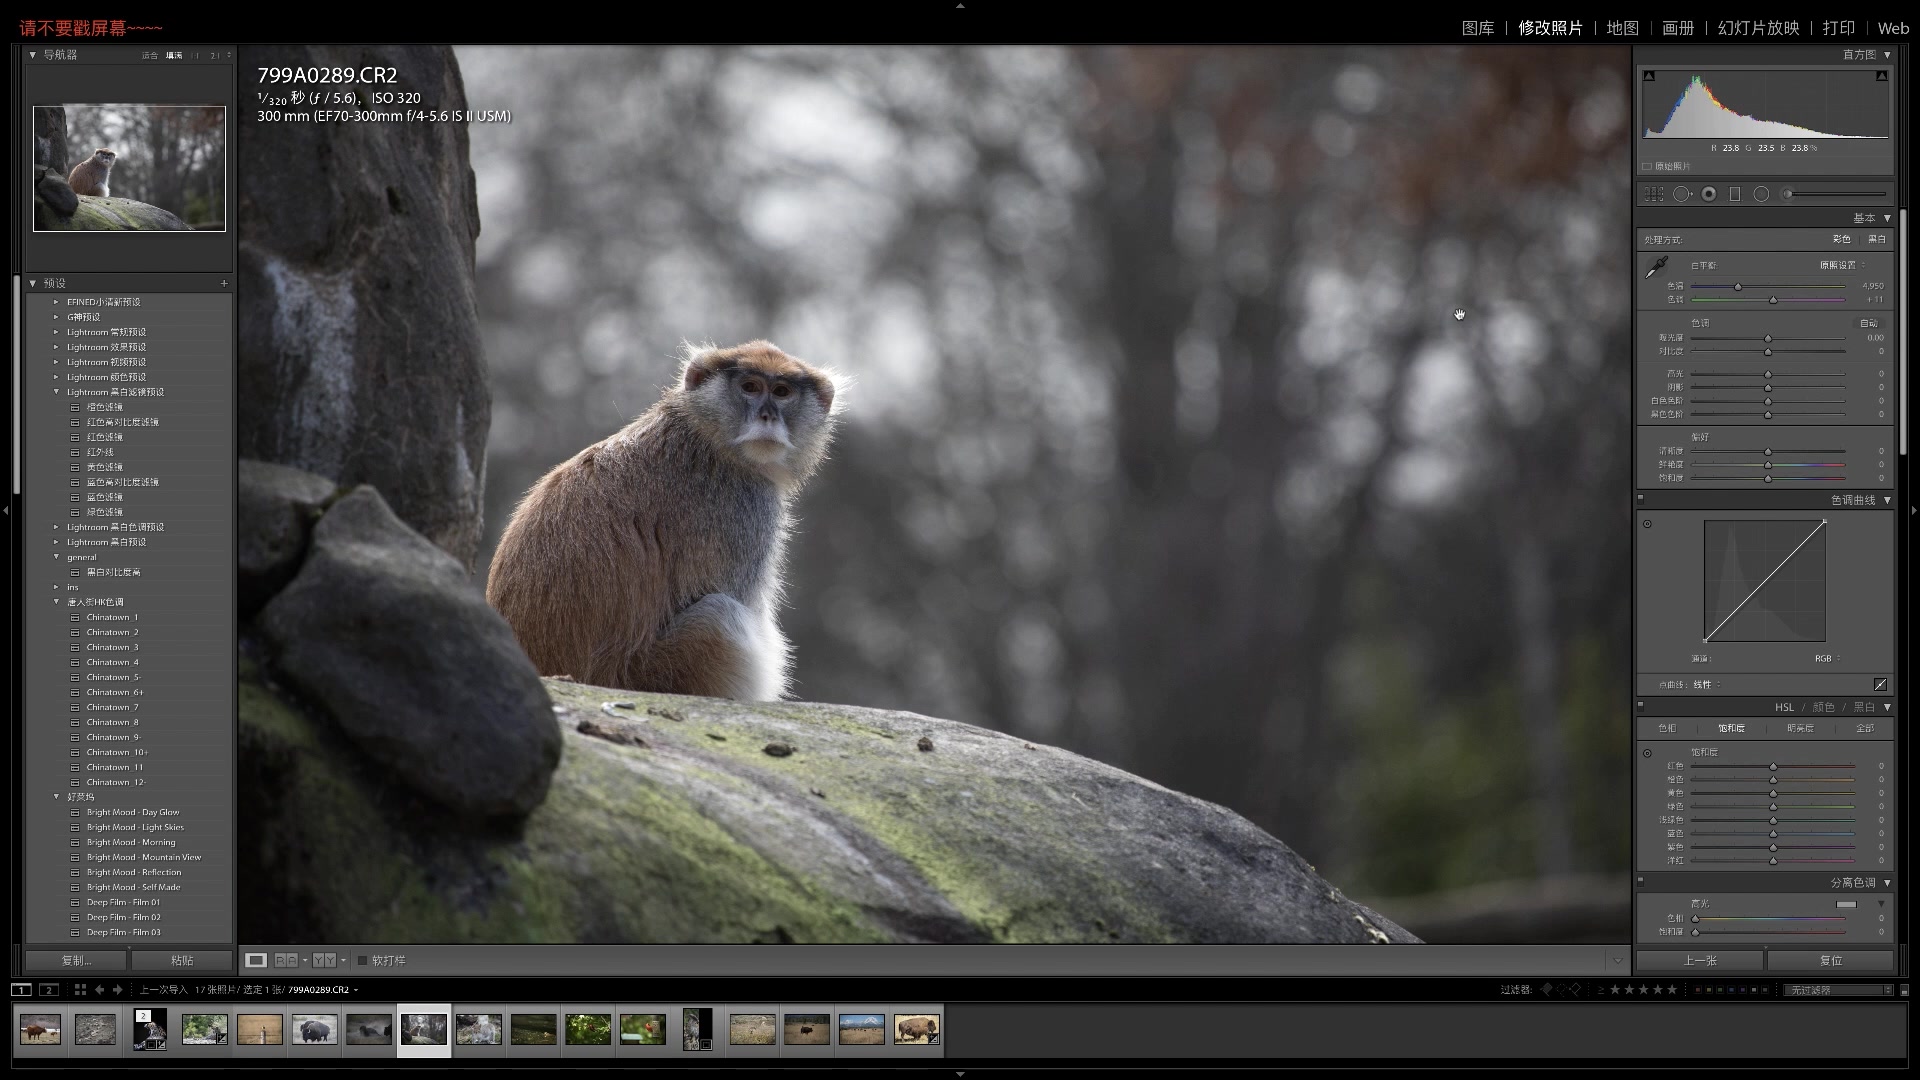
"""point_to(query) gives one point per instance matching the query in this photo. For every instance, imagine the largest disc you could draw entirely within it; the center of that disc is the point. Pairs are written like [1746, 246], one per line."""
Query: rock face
[96, 214]
[275, 509]
[361, 358]
[668, 822]
[363, 443]
[382, 631]
[53, 200]
[50, 138]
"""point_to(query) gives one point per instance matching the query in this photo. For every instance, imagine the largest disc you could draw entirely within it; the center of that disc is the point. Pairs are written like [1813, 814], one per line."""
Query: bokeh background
[172, 156]
[1165, 444]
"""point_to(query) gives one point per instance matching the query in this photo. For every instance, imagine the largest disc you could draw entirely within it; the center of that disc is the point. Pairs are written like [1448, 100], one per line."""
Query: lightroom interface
[1197, 544]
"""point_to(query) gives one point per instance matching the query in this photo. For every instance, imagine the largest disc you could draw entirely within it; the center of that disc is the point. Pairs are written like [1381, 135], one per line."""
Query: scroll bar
[1906, 391]
[18, 389]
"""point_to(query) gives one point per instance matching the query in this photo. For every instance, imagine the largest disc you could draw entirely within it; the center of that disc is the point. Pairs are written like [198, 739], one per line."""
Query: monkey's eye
[782, 390]
[750, 386]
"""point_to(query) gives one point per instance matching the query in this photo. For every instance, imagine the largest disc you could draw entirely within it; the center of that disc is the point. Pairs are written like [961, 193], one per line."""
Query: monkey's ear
[697, 362]
[832, 389]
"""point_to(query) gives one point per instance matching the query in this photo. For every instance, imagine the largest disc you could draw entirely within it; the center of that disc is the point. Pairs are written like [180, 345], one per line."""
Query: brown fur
[652, 559]
[90, 176]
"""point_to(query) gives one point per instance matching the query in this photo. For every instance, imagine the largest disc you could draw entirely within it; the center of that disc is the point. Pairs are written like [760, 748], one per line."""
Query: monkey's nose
[767, 413]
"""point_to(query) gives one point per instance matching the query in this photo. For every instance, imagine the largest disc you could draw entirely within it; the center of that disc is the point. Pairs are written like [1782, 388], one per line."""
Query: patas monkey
[652, 559]
[90, 176]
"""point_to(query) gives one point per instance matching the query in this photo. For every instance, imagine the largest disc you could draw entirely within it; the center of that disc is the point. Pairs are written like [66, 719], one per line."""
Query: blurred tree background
[171, 156]
[1165, 444]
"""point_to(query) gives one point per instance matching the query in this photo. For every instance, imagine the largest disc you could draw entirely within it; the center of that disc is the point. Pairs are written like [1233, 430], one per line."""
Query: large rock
[360, 353]
[97, 214]
[54, 202]
[701, 820]
[382, 632]
[276, 508]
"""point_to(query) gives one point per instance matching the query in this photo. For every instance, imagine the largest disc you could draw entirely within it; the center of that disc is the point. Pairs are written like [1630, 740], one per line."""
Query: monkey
[55, 201]
[653, 560]
[90, 176]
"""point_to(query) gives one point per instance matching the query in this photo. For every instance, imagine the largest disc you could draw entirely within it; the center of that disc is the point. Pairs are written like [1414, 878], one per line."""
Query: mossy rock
[674, 821]
[96, 214]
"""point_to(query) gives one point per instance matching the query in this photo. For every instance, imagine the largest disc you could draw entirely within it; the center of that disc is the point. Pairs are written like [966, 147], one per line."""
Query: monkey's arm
[718, 647]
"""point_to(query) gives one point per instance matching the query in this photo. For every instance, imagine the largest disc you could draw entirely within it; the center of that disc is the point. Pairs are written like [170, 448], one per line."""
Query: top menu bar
[983, 21]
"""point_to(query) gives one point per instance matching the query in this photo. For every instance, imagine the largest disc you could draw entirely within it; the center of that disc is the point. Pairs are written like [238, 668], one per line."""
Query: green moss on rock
[653, 831]
[96, 214]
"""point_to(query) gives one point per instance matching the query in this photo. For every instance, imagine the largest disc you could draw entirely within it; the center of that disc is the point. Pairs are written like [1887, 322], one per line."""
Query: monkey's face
[768, 407]
[105, 157]
[765, 434]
